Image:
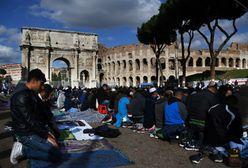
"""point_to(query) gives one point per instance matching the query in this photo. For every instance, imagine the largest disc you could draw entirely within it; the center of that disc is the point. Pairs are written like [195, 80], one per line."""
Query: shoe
[217, 158]
[126, 124]
[196, 158]
[16, 153]
[140, 131]
[183, 143]
[191, 146]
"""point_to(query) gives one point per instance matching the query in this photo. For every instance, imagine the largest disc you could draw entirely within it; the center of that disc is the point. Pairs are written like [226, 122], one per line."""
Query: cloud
[9, 34]
[9, 42]
[240, 38]
[97, 14]
[9, 54]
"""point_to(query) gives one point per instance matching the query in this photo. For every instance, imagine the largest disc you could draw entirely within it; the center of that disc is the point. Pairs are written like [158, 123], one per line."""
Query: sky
[115, 21]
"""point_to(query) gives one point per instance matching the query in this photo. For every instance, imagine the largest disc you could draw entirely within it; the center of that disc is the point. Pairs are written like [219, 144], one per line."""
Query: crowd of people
[208, 120]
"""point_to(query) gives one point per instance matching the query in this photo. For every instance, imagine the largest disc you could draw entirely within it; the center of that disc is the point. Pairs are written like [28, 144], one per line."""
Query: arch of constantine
[41, 47]
[91, 64]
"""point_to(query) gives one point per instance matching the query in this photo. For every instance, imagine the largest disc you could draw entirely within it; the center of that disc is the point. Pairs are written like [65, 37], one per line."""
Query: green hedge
[231, 74]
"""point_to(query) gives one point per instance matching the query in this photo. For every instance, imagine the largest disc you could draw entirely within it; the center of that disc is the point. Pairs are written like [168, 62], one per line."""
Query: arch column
[48, 66]
[203, 62]
[141, 66]
[167, 63]
[92, 78]
[74, 71]
[134, 67]
[194, 63]
[219, 62]
[149, 65]
[127, 67]
[227, 62]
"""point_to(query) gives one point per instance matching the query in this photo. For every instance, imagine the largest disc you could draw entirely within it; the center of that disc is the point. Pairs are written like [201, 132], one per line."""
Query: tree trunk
[212, 67]
[183, 60]
[184, 74]
[157, 57]
[161, 72]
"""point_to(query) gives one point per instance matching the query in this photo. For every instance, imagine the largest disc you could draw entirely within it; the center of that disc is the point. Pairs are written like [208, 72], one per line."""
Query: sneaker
[126, 124]
[191, 146]
[16, 153]
[153, 136]
[183, 143]
[140, 131]
[217, 158]
[196, 158]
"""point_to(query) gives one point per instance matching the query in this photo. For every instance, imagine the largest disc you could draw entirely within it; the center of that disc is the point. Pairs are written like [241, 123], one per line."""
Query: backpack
[104, 131]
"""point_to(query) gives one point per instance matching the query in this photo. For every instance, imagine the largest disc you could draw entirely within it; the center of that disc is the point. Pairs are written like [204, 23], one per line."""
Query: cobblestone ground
[146, 152]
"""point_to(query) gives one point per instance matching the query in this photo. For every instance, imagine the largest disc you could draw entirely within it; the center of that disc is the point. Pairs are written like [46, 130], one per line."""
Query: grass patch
[220, 75]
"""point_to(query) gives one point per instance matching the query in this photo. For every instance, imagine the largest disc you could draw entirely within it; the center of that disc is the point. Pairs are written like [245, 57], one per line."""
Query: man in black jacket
[198, 106]
[33, 139]
[223, 125]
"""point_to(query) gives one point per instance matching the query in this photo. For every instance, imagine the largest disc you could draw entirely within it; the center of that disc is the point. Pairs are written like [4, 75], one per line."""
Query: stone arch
[172, 78]
[153, 78]
[84, 78]
[190, 62]
[109, 59]
[238, 63]
[130, 65]
[137, 65]
[223, 62]
[207, 61]
[137, 80]
[199, 62]
[65, 74]
[172, 64]
[243, 63]
[130, 80]
[118, 66]
[163, 65]
[124, 65]
[109, 67]
[124, 81]
[118, 81]
[153, 63]
[231, 62]
[113, 69]
[145, 64]
[145, 79]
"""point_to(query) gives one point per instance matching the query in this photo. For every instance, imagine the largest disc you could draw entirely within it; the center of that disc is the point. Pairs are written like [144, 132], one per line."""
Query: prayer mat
[66, 135]
[70, 146]
[94, 159]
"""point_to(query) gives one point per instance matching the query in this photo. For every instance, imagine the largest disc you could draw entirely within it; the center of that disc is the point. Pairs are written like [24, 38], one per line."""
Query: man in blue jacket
[175, 113]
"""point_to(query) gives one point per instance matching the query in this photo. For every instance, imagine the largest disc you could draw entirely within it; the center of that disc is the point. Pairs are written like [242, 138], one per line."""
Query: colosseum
[130, 65]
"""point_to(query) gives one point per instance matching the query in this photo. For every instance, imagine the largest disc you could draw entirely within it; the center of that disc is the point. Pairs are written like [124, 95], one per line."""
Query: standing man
[33, 139]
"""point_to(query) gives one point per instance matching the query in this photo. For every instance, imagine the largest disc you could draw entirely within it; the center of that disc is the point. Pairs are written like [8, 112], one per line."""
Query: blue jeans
[37, 148]
[171, 131]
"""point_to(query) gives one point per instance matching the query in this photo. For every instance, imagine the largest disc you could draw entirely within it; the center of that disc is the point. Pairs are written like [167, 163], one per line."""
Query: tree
[158, 35]
[209, 16]
[179, 11]
[3, 72]
[54, 77]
